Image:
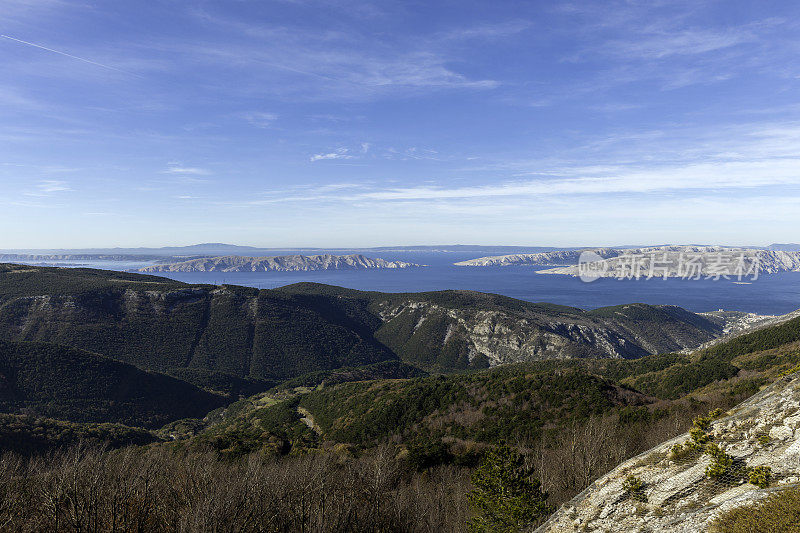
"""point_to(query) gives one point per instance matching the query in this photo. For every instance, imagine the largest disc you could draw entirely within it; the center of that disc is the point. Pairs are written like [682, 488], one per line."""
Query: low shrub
[634, 488]
[699, 436]
[759, 476]
[721, 462]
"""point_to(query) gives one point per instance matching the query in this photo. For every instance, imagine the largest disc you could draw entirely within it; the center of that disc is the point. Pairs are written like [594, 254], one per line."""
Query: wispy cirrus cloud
[483, 31]
[259, 119]
[23, 10]
[664, 44]
[341, 153]
[16, 99]
[669, 44]
[752, 157]
[49, 188]
[182, 170]
[710, 176]
[568, 185]
[336, 64]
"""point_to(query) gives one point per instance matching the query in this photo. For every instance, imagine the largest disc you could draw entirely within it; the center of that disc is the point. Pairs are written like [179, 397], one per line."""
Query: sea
[773, 294]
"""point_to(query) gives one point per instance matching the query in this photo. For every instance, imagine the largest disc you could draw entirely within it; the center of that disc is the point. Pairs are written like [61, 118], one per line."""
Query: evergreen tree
[506, 498]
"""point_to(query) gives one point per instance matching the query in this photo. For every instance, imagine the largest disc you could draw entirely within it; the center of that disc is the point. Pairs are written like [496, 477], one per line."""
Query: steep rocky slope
[676, 493]
[281, 263]
[428, 332]
[462, 329]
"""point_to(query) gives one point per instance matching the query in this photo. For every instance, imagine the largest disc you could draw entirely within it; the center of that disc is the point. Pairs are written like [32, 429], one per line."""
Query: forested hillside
[212, 336]
[239, 340]
[60, 382]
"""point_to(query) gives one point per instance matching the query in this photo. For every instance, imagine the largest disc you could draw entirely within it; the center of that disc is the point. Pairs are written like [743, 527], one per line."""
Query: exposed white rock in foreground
[679, 496]
[284, 263]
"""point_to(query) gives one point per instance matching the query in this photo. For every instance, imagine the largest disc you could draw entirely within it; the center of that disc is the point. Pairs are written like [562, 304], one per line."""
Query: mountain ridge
[207, 332]
[281, 263]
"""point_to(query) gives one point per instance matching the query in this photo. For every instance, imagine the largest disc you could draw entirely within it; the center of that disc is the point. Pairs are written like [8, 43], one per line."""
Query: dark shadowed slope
[199, 332]
[60, 382]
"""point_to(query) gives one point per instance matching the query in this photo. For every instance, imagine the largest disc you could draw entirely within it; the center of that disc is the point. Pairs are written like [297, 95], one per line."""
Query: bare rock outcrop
[677, 495]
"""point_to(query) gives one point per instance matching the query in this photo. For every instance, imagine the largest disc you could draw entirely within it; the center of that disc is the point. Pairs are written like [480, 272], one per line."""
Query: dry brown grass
[159, 490]
[779, 512]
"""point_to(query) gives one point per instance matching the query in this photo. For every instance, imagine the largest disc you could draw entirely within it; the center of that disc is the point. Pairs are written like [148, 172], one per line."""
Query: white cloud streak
[729, 175]
[89, 61]
[686, 42]
[259, 119]
[49, 188]
[185, 171]
[341, 153]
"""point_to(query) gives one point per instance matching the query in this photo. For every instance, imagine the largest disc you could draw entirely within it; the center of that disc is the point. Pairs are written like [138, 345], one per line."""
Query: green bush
[506, 498]
[759, 476]
[721, 462]
[699, 436]
[702, 422]
[634, 488]
[682, 452]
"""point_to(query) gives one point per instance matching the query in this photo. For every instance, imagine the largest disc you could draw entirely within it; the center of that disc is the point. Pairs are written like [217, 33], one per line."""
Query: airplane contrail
[66, 54]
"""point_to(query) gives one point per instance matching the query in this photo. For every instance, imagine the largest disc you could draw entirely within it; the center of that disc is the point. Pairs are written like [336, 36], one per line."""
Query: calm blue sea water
[773, 294]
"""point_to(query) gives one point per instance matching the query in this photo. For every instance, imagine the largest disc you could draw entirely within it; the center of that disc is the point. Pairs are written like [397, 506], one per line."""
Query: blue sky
[339, 123]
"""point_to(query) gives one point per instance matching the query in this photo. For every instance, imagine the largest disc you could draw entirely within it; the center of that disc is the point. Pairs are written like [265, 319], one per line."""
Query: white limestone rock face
[280, 263]
[680, 498]
[561, 257]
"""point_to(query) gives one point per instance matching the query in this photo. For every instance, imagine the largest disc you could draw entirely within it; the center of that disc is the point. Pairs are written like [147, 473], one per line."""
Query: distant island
[555, 258]
[656, 261]
[279, 263]
[786, 247]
